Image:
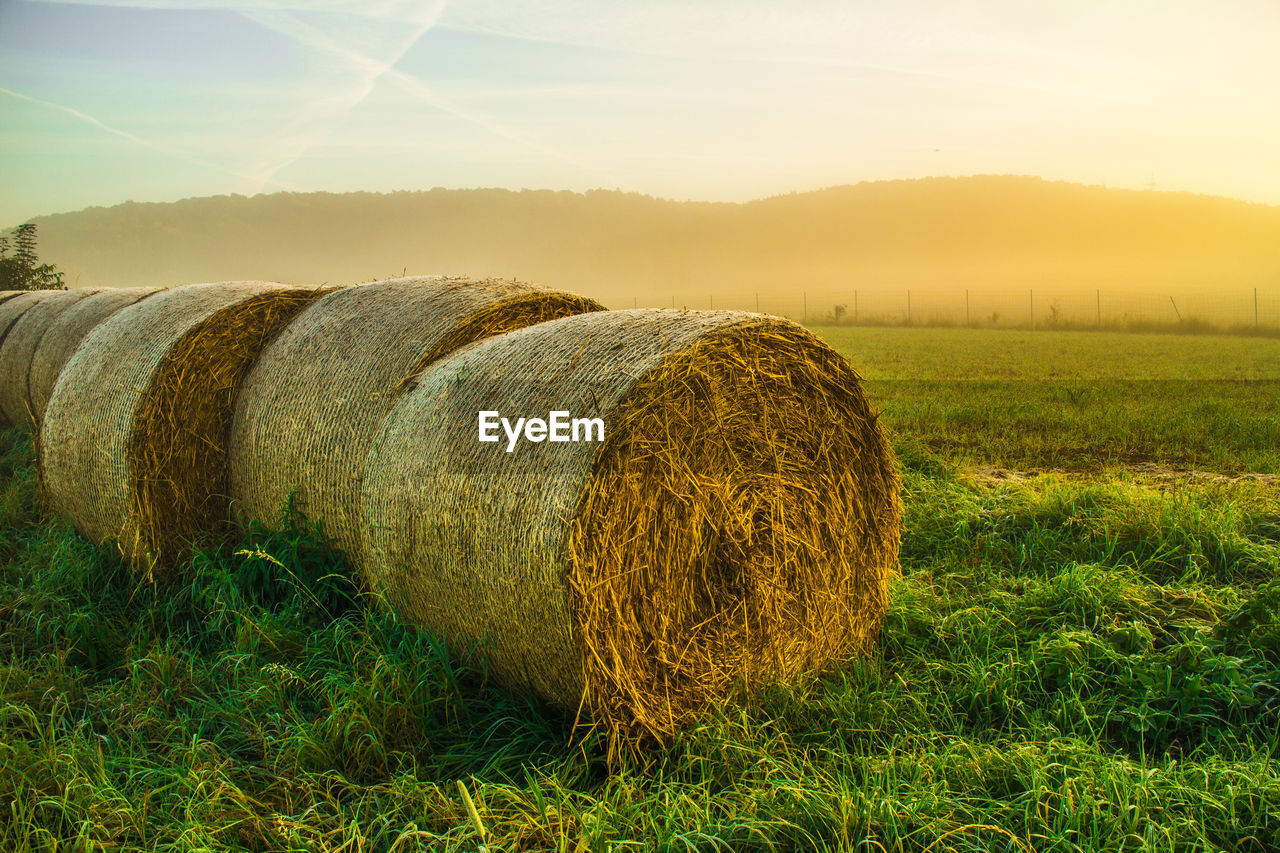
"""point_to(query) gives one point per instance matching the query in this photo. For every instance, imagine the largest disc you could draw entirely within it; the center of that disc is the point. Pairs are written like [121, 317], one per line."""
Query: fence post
[1255, 307]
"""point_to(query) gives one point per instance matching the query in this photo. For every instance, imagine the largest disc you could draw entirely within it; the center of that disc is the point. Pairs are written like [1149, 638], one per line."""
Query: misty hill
[934, 235]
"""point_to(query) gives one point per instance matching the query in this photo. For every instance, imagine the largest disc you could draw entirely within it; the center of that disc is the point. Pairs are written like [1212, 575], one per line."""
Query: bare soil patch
[994, 475]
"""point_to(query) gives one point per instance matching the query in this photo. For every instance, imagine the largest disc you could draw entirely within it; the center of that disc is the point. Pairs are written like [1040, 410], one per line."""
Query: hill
[996, 235]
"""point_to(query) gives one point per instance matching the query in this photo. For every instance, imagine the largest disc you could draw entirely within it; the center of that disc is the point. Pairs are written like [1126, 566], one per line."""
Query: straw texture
[19, 347]
[6, 295]
[309, 408]
[66, 333]
[737, 525]
[11, 310]
[133, 441]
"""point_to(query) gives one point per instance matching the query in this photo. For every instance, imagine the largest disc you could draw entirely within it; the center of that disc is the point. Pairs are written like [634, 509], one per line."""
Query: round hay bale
[133, 441]
[311, 405]
[65, 334]
[6, 295]
[11, 310]
[19, 346]
[737, 524]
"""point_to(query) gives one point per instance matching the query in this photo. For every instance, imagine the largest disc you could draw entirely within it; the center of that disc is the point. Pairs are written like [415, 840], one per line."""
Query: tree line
[20, 267]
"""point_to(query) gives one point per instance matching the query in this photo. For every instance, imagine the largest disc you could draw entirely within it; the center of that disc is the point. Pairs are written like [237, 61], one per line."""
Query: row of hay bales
[738, 524]
[39, 331]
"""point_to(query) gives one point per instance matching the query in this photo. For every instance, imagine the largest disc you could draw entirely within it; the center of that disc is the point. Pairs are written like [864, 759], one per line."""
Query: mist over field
[1022, 246]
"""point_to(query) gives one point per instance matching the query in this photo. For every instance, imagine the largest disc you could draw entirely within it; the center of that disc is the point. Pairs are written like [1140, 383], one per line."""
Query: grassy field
[1073, 401]
[1087, 660]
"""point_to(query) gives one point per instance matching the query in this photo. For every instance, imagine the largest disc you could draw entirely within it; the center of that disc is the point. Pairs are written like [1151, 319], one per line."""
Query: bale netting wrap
[19, 347]
[133, 441]
[65, 334]
[309, 408]
[11, 310]
[737, 525]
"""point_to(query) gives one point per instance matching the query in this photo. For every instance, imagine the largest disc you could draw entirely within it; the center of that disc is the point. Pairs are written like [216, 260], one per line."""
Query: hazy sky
[733, 99]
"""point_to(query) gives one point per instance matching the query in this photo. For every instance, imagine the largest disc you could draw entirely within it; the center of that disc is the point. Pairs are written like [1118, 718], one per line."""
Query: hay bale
[19, 346]
[6, 295]
[66, 333]
[311, 405]
[132, 446]
[738, 524]
[11, 310]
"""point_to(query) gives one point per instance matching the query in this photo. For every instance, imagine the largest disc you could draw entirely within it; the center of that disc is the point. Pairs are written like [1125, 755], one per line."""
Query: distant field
[975, 354]
[1073, 400]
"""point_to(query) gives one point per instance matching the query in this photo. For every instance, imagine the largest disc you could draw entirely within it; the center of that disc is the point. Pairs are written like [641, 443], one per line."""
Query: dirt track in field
[992, 475]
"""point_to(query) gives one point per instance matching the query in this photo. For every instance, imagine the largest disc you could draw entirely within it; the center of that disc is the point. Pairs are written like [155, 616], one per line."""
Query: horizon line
[660, 198]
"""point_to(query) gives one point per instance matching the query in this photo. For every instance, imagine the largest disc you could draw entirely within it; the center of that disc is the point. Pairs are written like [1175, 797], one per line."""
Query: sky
[156, 100]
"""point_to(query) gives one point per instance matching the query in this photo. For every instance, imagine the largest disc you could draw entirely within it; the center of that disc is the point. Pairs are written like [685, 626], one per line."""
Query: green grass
[1024, 356]
[1068, 663]
[1073, 401]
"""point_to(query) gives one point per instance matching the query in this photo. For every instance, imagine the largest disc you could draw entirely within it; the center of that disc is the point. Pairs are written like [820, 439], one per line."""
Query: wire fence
[1234, 309]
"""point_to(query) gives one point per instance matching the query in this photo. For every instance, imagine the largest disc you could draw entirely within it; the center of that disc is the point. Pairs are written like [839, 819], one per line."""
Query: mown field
[1074, 401]
[1082, 656]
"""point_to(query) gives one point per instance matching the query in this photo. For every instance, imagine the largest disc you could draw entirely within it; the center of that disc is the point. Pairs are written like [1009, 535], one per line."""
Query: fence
[1228, 309]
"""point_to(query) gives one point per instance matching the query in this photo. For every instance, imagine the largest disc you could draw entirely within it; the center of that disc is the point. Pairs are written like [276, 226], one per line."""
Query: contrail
[312, 38]
[136, 140]
[333, 108]
[425, 94]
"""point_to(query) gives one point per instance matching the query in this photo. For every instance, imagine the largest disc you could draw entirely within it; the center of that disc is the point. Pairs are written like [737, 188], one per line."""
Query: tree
[22, 269]
[10, 278]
